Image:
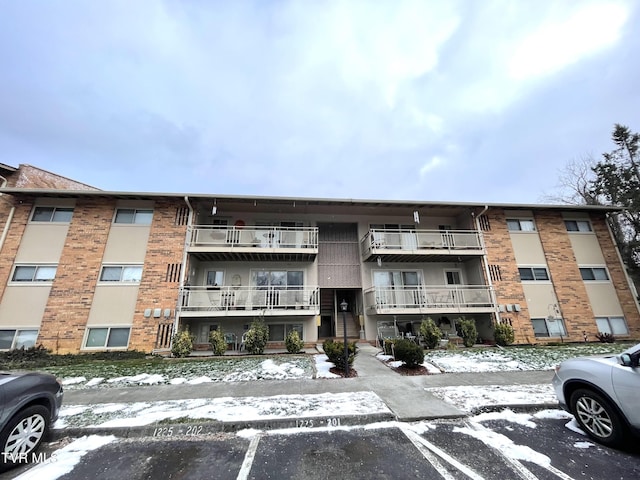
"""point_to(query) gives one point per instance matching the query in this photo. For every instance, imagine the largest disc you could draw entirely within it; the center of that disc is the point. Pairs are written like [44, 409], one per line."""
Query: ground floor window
[107, 337]
[612, 325]
[279, 331]
[12, 339]
[548, 327]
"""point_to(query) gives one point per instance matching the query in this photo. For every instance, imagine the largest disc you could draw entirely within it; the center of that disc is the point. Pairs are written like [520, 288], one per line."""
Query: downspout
[492, 292]
[5, 230]
[183, 270]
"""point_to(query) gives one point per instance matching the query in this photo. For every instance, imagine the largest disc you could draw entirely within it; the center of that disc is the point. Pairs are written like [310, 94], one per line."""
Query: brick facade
[508, 288]
[157, 289]
[65, 317]
[573, 300]
[8, 251]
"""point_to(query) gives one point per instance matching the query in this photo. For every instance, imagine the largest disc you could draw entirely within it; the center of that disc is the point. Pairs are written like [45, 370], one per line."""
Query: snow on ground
[467, 398]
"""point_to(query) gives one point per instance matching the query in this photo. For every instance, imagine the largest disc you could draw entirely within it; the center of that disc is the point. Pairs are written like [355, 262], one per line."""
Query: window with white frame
[594, 273]
[121, 273]
[612, 325]
[107, 337]
[34, 273]
[52, 214]
[278, 331]
[548, 327]
[15, 338]
[134, 216]
[533, 274]
[520, 225]
[578, 225]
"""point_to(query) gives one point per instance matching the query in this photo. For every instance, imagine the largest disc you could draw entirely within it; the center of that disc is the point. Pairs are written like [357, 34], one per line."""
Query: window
[531, 274]
[121, 273]
[612, 325]
[34, 273]
[548, 327]
[594, 273]
[279, 279]
[278, 332]
[215, 277]
[52, 214]
[578, 225]
[12, 339]
[517, 225]
[131, 215]
[107, 337]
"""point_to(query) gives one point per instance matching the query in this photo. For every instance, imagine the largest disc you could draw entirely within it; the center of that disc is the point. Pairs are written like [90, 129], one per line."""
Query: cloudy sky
[426, 100]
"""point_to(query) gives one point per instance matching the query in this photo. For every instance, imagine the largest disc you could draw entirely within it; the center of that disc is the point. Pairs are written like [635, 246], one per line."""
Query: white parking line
[243, 474]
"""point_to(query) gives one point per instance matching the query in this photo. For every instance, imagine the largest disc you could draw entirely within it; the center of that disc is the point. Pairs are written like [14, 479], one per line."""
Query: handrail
[429, 296]
[421, 240]
[253, 236]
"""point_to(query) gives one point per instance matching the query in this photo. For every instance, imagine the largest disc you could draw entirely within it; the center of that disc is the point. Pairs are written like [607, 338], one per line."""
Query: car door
[626, 384]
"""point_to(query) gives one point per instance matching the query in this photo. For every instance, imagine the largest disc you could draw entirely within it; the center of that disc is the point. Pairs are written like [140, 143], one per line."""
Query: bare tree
[574, 183]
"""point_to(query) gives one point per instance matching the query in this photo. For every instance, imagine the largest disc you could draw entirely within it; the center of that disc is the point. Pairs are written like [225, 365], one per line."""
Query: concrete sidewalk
[405, 396]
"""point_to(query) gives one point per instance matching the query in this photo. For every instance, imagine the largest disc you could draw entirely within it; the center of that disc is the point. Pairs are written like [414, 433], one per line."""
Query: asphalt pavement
[405, 396]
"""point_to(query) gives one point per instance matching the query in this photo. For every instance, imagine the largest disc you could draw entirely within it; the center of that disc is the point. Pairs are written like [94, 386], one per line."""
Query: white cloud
[561, 42]
[432, 163]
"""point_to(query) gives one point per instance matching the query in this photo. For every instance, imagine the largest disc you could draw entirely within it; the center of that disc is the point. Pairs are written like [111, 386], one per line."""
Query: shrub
[503, 334]
[293, 342]
[605, 337]
[451, 346]
[218, 342]
[409, 353]
[181, 344]
[468, 331]
[256, 337]
[430, 333]
[335, 352]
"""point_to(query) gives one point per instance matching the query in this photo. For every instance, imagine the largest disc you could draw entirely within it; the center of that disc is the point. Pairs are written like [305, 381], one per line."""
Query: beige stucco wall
[126, 244]
[23, 305]
[527, 248]
[42, 243]
[539, 296]
[113, 305]
[586, 249]
[603, 298]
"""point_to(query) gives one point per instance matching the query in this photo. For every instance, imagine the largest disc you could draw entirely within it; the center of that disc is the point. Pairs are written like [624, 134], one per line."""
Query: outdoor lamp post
[343, 306]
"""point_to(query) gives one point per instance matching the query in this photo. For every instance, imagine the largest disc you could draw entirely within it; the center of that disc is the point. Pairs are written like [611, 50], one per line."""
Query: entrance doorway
[331, 317]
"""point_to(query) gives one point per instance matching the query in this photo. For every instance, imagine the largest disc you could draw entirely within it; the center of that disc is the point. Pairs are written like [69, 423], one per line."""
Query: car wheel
[597, 417]
[24, 434]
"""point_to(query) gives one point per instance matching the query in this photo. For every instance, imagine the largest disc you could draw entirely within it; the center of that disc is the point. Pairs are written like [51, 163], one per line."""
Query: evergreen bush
[181, 344]
[218, 342]
[293, 342]
[256, 337]
[430, 333]
[335, 352]
[503, 334]
[409, 352]
[468, 331]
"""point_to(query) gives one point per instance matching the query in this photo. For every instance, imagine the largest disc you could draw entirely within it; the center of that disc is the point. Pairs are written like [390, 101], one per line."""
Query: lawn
[153, 371]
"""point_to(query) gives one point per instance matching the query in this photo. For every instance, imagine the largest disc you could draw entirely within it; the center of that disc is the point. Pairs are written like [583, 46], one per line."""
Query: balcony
[251, 243]
[201, 301]
[421, 245]
[427, 299]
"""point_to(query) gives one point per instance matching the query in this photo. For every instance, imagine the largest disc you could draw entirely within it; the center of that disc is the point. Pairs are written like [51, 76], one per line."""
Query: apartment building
[83, 269]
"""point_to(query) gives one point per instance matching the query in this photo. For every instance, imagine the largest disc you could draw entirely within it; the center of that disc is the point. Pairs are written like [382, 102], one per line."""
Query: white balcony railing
[423, 241]
[212, 299]
[429, 297]
[234, 237]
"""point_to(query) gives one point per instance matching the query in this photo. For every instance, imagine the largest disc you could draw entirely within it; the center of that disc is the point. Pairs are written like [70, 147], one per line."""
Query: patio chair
[231, 339]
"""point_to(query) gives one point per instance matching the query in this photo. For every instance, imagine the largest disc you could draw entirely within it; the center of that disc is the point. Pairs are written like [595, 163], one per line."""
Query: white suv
[603, 393]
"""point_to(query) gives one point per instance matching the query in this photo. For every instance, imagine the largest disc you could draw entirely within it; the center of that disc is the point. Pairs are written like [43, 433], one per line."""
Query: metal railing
[421, 240]
[253, 236]
[225, 298]
[427, 296]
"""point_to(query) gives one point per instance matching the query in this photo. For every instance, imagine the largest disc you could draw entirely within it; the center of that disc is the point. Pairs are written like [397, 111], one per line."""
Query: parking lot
[455, 449]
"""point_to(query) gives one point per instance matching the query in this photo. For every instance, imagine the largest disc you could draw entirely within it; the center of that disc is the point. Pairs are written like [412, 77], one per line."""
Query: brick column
[65, 317]
[160, 283]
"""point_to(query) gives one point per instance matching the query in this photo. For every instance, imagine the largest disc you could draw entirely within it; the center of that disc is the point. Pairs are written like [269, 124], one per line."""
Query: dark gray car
[602, 394]
[29, 404]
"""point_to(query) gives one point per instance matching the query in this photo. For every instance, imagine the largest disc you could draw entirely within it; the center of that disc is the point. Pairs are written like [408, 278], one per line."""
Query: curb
[519, 407]
[209, 427]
